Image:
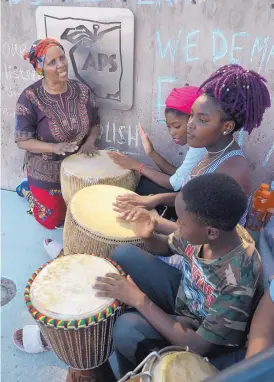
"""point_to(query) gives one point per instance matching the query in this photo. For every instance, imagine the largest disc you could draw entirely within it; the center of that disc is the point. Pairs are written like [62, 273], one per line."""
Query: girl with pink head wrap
[178, 108]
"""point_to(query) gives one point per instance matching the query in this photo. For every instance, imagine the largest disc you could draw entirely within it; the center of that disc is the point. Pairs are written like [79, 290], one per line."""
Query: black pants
[148, 187]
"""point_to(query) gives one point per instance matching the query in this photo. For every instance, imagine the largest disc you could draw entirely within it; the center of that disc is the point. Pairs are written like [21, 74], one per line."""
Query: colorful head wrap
[37, 53]
[182, 99]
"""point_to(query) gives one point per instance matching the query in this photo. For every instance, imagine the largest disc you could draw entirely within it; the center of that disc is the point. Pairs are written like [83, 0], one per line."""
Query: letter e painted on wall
[191, 43]
[236, 48]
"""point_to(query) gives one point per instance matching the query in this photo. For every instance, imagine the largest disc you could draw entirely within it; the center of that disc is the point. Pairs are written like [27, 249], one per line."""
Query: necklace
[219, 154]
[211, 158]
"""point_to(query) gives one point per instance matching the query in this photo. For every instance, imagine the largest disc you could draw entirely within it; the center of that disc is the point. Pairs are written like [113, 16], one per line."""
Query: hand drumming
[64, 147]
[138, 200]
[88, 148]
[143, 224]
[124, 161]
[119, 287]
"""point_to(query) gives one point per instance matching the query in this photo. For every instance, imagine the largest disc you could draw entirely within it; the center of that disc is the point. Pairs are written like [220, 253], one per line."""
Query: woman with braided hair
[55, 117]
[232, 98]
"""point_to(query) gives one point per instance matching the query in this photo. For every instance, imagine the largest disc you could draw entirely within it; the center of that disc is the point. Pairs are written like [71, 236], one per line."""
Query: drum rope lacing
[102, 349]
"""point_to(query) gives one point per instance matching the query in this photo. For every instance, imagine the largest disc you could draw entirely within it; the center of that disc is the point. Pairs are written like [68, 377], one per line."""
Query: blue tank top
[213, 167]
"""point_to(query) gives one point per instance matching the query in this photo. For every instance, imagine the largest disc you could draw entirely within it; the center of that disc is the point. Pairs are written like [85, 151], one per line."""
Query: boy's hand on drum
[121, 288]
[137, 200]
[88, 148]
[64, 147]
[147, 144]
[124, 161]
[143, 224]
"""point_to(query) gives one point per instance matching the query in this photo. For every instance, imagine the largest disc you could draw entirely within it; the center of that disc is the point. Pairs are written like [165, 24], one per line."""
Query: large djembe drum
[91, 225]
[73, 320]
[79, 171]
[172, 364]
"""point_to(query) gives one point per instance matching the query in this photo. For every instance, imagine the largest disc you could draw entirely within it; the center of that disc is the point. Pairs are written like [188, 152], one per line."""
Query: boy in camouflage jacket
[207, 306]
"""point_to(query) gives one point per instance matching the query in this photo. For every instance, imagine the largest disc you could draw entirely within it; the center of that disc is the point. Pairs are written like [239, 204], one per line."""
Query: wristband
[141, 168]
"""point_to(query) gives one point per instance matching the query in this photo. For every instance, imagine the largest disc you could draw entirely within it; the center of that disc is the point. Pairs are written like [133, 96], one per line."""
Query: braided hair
[242, 94]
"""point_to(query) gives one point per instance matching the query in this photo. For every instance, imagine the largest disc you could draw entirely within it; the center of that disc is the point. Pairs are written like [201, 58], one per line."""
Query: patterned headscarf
[37, 53]
[182, 99]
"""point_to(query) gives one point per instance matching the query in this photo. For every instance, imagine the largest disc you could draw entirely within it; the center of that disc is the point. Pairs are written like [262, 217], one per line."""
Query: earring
[225, 133]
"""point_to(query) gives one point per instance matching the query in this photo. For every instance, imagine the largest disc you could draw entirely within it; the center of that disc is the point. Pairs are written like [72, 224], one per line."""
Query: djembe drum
[79, 171]
[91, 225]
[73, 320]
[172, 364]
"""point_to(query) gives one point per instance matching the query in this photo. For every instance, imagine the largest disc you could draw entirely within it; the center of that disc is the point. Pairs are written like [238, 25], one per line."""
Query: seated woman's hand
[143, 224]
[147, 202]
[88, 148]
[124, 161]
[64, 147]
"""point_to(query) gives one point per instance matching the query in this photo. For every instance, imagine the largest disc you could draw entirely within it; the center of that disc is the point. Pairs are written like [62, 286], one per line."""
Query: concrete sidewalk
[22, 253]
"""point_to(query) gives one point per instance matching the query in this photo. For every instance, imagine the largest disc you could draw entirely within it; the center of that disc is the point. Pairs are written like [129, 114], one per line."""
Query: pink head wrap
[182, 99]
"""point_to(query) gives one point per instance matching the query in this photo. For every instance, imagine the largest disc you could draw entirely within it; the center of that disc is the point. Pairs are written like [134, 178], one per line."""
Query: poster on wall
[99, 43]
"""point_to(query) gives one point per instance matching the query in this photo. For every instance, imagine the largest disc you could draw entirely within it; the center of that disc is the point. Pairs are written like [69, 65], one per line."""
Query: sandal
[24, 185]
[31, 340]
[53, 248]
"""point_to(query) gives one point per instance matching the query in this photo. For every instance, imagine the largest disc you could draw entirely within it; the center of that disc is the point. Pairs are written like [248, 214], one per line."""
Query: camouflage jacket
[220, 294]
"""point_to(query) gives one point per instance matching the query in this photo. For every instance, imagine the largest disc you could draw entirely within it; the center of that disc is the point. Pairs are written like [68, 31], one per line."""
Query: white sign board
[99, 43]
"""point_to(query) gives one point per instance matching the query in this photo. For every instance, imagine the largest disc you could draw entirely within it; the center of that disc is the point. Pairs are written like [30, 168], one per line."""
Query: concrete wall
[175, 43]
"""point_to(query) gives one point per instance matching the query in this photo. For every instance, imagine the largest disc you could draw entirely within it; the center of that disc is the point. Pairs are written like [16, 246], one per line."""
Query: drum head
[97, 166]
[92, 208]
[180, 366]
[64, 289]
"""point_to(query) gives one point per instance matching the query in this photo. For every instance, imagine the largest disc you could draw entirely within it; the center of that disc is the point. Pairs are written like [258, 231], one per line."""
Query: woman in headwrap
[55, 117]
[177, 111]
